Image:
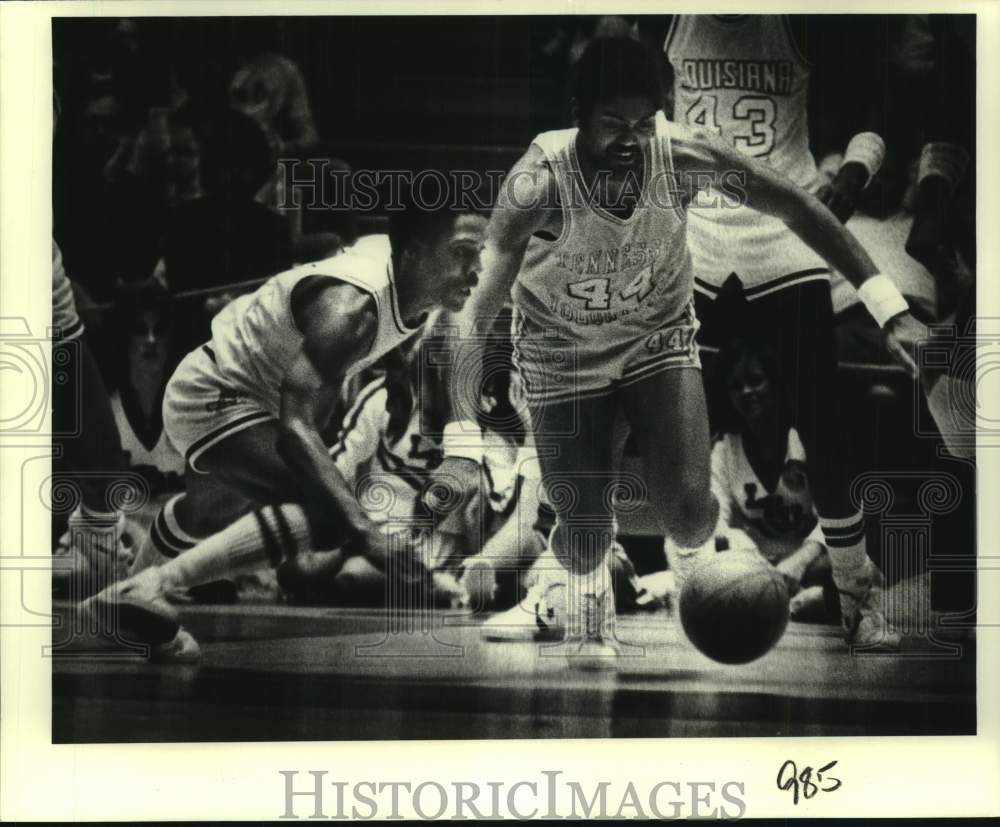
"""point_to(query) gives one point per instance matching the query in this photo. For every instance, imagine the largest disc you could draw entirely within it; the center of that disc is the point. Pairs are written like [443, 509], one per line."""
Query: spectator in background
[143, 356]
[86, 218]
[943, 236]
[225, 235]
[269, 87]
[759, 478]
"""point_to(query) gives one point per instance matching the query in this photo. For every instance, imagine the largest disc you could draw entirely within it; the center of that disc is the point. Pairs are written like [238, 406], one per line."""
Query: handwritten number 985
[808, 782]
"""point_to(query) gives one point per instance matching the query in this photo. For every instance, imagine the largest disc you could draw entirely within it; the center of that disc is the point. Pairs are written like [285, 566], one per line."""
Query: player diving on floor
[246, 410]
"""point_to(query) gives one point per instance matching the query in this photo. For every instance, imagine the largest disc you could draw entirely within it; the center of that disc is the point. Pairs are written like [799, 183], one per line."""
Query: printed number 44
[596, 293]
[675, 339]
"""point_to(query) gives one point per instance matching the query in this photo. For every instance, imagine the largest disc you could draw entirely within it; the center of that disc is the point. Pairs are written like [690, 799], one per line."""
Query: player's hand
[903, 334]
[448, 589]
[310, 572]
[398, 553]
[842, 194]
[479, 581]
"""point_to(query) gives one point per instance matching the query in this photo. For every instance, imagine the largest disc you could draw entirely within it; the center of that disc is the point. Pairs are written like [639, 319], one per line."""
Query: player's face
[617, 132]
[148, 341]
[453, 263]
[750, 391]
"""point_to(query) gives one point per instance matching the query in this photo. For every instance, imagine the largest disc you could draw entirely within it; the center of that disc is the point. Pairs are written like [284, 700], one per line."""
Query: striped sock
[166, 539]
[97, 518]
[267, 535]
[845, 540]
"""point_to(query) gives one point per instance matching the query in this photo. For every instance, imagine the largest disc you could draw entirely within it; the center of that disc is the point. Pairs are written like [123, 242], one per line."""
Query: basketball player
[245, 410]
[92, 553]
[604, 317]
[745, 79]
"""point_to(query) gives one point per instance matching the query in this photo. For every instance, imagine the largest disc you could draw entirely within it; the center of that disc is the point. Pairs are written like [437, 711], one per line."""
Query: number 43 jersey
[744, 78]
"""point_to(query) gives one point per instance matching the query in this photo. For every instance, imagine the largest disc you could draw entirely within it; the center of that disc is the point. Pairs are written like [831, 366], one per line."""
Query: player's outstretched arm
[767, 190]
[522, 209]
[339, 326]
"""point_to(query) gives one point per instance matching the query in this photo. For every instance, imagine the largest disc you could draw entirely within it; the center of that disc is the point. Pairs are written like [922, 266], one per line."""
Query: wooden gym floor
[287, 673]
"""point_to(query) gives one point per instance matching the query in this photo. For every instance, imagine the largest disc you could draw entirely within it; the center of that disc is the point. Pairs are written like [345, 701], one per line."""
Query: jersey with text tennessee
[606, 277]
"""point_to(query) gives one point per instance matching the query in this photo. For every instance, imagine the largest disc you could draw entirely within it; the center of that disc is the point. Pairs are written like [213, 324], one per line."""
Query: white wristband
[882, 298]
[462, 440]
[867, 149]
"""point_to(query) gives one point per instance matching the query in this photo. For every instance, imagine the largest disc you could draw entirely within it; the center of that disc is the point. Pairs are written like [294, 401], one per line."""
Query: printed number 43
[596, 292]
[754, 134]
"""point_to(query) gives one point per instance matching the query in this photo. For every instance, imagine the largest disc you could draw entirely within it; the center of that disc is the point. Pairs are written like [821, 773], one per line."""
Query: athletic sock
[165, 540]
[845, 540]
[682, 560]
[594, 582]
[97, 530]
[96, 518]
[268, 535]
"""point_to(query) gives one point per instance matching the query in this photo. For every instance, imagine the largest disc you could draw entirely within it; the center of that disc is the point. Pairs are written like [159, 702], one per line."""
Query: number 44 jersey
[608, 278]
[744, 78]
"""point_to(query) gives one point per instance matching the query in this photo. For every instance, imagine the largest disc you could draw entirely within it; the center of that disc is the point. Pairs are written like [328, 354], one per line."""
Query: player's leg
[92, 453]
[247, 462]
[576, 447]
[799, 320]
[669, 422]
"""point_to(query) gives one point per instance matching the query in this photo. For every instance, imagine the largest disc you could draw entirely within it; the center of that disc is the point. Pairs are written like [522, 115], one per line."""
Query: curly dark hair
[725, 419]
[614, 67]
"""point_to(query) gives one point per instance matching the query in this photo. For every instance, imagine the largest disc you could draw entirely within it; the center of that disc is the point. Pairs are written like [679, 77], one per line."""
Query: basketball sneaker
[590, 641]
[540, 616]
[862, 614]
[91, 554]
[136, 610]
[631, 594]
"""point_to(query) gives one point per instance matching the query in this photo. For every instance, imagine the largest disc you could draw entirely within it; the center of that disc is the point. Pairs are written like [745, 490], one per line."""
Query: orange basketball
[734, 608]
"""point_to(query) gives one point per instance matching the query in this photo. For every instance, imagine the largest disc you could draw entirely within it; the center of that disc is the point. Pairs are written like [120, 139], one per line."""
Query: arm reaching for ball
[768, 191]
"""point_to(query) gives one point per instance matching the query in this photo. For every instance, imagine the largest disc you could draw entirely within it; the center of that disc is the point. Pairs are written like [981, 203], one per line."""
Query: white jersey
[607, 277]
[152, 447]
[255, 338]
[388, 473]
[744, 78]
[778, 521]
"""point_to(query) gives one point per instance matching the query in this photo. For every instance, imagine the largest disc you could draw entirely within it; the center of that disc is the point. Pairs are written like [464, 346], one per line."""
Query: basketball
[734, 608]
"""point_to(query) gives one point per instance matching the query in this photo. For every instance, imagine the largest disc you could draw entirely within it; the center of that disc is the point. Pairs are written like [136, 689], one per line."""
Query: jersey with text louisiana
[255, 338]
[744, 78]
[607, 278]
